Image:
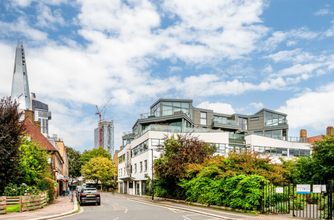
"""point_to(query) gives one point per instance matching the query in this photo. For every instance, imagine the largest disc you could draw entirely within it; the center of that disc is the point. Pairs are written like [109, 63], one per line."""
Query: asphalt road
[114, 208]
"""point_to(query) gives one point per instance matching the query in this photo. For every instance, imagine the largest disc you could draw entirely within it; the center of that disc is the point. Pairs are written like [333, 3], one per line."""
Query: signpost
[316, 188]
[303, 189]
[279, 190]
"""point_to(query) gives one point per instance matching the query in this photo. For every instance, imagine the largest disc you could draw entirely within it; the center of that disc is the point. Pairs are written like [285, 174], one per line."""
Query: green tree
[11, 132]
[34, 162]
[74, 163]
[99, 168]
[89, 154]
[323, 156]
[179, 151]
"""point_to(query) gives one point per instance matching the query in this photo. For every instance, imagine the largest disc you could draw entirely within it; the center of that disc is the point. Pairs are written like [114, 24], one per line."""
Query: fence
[2, 205]
[32, 202]
[12, 200]
[314, 200]
[275, 198]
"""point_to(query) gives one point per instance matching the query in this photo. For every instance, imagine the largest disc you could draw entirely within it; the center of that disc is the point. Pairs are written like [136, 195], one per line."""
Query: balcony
[174, 129]
[284, 138]
[225, 123]
[128, 133]
[166, 112]
[276, 122]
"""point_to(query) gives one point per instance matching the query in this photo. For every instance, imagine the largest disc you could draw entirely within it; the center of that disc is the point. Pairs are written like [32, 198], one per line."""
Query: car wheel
[99, 203]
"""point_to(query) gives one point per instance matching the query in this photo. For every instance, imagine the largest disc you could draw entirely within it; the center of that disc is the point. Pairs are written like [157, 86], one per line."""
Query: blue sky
[230, 56]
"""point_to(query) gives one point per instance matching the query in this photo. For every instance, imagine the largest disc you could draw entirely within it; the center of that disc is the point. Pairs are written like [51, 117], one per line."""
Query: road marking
[192, 215]
[126, 211]
[172, 210]
[116, 203]
[116, 218]
[186, 218]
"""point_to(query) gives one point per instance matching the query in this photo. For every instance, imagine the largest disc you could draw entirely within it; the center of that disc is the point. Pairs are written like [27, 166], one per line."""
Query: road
[115, 208]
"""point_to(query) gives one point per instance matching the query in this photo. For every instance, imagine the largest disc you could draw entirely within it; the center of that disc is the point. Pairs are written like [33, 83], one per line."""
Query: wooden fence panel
[12, 200]
[32, 202]
[3, 205]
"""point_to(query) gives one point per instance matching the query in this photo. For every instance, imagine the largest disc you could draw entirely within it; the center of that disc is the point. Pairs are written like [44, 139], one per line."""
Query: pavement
[122, 206]
[60, 207]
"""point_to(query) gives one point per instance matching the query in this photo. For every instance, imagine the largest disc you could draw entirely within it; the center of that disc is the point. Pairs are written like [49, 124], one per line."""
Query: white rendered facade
[132, 171]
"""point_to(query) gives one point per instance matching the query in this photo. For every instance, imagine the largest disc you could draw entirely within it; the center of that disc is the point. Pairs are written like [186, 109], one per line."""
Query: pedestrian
[68, 190]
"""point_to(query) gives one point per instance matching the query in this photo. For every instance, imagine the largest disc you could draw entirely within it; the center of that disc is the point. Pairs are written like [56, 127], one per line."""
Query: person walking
[68, 190]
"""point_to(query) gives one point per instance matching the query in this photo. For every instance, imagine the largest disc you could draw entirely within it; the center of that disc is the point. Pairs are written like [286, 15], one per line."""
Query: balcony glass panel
[225, 121]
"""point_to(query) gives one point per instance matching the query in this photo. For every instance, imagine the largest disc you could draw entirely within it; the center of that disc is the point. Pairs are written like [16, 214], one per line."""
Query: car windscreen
[90, 190]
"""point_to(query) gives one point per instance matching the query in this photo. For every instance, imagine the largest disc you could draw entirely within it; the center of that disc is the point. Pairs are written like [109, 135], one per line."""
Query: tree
[74, 164]
[11, 131]
[99, 168]
[323, 156]
[34, 162]
[89, 154]
[179, 152]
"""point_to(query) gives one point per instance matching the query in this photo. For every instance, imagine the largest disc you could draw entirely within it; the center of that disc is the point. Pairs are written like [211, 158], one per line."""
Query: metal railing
[284, 138]
[166, 112]
[225, 121]
[128, 133]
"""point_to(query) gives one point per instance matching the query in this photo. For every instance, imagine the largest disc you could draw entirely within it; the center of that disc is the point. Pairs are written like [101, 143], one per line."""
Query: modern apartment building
[107, 129]
[265, 132]
[43, 115]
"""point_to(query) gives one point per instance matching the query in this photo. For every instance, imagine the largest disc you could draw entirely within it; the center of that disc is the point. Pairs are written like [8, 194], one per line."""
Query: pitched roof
[312, 139]
[37, 136]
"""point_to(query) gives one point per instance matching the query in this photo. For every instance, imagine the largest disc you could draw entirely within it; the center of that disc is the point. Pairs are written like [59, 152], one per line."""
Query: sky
[230, 56]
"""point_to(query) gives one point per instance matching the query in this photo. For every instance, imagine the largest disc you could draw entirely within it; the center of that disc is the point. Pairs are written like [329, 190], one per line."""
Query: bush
[22, 190]
[48, 185]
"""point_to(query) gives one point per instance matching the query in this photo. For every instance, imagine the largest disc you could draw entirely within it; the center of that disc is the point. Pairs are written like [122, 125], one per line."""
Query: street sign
[323, 188]
[316, 188]
[279, 190]
[303, 189]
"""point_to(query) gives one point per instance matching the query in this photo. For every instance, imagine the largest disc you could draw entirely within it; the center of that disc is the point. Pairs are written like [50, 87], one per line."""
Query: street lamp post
[152, 184]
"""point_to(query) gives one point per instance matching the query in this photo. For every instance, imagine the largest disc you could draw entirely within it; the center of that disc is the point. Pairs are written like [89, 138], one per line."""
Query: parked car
[89, 195]
[78, 190]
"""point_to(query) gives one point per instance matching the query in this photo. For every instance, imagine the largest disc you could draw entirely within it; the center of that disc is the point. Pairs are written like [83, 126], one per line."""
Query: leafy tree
[11, 131]
[299, 170]
[74, 163]
[99, 168]
[323, 156]
[34, 162]
[179, 152]
[89, 154]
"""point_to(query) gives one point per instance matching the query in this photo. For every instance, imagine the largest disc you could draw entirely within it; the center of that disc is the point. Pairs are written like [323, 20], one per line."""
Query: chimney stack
[330, 130]
[303, 135]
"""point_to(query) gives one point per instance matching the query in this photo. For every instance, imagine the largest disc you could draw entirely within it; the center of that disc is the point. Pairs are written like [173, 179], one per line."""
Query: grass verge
[13, 208]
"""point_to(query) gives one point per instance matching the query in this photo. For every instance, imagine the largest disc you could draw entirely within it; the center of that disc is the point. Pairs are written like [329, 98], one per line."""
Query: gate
[313, 200]
[275, 198]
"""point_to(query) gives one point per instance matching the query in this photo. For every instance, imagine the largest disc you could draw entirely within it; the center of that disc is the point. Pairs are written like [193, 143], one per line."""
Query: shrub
[22, 190]
[48, 185]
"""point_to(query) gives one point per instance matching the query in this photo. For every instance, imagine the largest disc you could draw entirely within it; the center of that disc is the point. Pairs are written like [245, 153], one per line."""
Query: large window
[140, 148]
[203, 118]
[273, 119]
[121, 158]
[145, 164]
[271, 151]
[157, 142]
[243, 123]
[141, 167]
[169, 108]
[220, 148]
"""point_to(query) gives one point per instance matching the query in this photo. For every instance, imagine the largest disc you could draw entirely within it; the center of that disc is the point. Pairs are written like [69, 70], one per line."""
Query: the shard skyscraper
[20, 86]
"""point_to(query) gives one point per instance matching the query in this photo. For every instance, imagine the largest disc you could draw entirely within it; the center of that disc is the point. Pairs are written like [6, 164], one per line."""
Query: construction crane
[99, 113]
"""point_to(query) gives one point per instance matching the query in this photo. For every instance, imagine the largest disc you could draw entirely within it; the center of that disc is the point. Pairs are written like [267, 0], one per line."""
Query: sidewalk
[60, 206]
[207, 210]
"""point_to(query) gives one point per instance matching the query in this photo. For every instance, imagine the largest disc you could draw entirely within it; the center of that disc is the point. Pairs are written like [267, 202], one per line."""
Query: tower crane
[99, 113]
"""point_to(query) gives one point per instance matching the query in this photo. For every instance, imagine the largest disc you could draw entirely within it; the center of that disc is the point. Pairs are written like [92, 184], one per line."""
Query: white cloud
[47, 18]
[294, 35]
[322, 12]
[175, 69]
[295, 56]
[217, 107]
[314, 108]
[21, 28]
[25, 3]
[257, 105]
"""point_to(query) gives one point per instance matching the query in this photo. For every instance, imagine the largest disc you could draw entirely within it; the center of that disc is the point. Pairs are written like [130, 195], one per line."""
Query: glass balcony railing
[225, 121]
[166, 112]
[174, 129]
[237, 136]
[275, 122]
[128, 133]
[284, 138]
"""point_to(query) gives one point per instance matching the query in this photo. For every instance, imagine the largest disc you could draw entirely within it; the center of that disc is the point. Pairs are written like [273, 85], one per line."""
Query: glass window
[177, 104]
[259, 150]
[254, 119]
[135, 168]
[267, 150]
[284, 152]
[203, 118]
[185, 105]
[141, 167]
[145, 164]
[242, 123]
